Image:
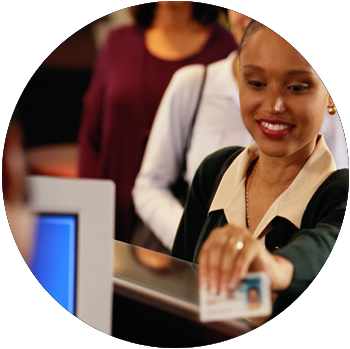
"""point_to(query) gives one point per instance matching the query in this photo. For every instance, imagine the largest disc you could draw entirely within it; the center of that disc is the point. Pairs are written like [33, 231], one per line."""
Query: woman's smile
[274, 129]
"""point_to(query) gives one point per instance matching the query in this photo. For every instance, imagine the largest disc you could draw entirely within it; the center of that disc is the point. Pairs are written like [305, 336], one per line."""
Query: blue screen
[54, 259]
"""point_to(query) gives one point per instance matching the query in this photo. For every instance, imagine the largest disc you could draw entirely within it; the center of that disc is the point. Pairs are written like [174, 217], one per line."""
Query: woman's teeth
[274, 127]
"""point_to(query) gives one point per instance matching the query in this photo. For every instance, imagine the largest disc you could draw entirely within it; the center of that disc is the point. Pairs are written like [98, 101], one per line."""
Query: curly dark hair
[203, 13]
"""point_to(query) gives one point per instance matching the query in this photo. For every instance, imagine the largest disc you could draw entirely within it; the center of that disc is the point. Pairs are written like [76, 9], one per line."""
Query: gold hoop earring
[332, 110]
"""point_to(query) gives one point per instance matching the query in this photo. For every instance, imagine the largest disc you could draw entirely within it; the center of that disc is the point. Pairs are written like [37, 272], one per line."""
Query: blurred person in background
[14, 170]
[218, 124]
[131, 74]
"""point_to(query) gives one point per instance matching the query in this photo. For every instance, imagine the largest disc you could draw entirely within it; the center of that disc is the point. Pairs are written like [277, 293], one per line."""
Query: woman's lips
[274, 129]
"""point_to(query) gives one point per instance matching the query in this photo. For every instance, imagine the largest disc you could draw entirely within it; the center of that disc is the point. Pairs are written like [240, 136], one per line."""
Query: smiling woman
[279, 204]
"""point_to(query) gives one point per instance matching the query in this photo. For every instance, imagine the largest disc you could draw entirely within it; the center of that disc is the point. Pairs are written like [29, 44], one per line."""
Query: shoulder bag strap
[190, 131]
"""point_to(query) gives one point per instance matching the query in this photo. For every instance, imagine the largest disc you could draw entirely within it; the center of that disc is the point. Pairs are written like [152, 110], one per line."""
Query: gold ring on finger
[239, 245]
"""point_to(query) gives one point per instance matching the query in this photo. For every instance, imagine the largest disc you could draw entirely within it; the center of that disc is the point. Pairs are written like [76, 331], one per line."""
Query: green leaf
[291, 317]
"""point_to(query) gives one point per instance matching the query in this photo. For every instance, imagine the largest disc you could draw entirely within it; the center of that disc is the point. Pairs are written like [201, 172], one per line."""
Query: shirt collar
[290, 205]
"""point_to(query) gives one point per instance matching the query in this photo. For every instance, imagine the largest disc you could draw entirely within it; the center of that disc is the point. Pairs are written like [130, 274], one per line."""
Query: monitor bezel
[93, 202]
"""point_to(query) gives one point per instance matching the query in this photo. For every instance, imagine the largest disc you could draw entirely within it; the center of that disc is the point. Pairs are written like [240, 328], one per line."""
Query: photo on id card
[251, 298]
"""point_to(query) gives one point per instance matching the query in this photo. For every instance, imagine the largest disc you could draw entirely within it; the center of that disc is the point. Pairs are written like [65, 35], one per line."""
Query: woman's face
[283, 101]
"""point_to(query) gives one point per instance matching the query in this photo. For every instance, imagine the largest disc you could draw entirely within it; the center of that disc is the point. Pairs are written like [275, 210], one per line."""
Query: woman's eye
[298, 88]
[256, 84]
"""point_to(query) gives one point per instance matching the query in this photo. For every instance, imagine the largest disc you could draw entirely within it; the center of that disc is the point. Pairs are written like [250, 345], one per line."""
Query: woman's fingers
[210, 260]
[243, 261]
[217, 257]
[232, 248]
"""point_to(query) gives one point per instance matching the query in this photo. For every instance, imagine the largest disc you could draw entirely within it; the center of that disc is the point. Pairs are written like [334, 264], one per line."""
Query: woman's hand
[230, 252]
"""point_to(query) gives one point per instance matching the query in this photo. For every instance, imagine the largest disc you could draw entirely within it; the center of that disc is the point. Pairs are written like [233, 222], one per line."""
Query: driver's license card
[250, 299]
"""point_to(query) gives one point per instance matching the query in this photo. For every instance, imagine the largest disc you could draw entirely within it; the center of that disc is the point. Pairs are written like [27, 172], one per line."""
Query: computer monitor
[73, 249]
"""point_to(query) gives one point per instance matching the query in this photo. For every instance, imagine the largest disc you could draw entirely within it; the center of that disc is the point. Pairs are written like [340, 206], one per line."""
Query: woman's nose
[275, 103]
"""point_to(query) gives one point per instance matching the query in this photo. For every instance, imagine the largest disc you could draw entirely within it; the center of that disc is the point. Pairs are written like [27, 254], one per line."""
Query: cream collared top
[290, 205]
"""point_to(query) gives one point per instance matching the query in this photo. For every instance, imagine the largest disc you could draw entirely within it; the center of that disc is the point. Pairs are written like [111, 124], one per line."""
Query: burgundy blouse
[119, 107]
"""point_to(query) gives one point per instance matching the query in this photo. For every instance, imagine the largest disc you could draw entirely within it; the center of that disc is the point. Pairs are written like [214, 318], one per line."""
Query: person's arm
[309, 249]
[162, 163]
[90, 128]
[333, 133]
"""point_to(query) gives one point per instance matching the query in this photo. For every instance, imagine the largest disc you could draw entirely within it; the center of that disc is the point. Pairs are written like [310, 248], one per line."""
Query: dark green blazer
[307, 248]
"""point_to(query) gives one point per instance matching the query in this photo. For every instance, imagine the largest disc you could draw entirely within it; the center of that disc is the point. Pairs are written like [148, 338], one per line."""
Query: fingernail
[223, 290]
[233, 283]
[213, 287]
